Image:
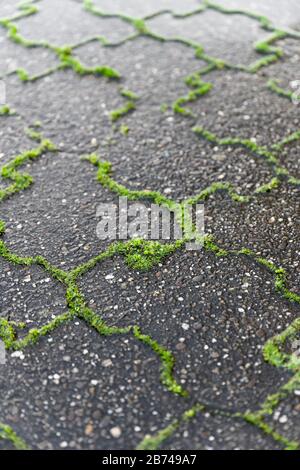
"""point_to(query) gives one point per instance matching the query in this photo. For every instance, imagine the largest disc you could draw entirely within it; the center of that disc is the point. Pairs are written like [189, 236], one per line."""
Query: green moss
[273, 184]
[9, 336]
[265, 47]
[33, 134]
[257, 421]
[2, 227]
[201, 88]
[69, 61]
[64, 53]
[155, 442]
[23, 75]
[7, 333]
[21, 181]
[104, 178]
[249, 144]
[215, 187]
[274, 355]
[142, 255]
[210, 245]
[140, 25]
[129, 94]
[263, 20]
[294, 137]
[124, 129]
[164, 107]
[6, 111]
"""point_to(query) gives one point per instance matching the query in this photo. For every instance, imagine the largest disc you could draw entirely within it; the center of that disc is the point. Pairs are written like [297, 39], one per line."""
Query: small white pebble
[107, 363]
[116, 432]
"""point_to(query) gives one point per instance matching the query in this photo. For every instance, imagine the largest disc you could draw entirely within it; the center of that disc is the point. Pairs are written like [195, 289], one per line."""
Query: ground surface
[214, 362]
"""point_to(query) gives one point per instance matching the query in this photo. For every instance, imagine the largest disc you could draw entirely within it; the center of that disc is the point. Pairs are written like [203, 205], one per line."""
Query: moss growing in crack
[140, 26]
[129, 94]
[7, 433]
[201, 89]
[23, 75]
[12, 257]
[116, 114]
[279, 274]
[142, 255]
[213, 246]
[294, 181]
[67, 60]
[77, 305]
[266, 188]
[274, 54]
[256, 420]
[167, 361]
[85, 267]
[280, 279]
[295, 136]
[155, 442]
[263, 20]
[21, 181]
[37, 124]
[249, 144]
[33, 134]
[164, 107]
[124, 129]
[210, 245]
[213, 188]
[104, 178]
[275, 356]
[2, 227]
[274, 86]
[35, 334]
[26, 9]
[6, 111]
[9, 337]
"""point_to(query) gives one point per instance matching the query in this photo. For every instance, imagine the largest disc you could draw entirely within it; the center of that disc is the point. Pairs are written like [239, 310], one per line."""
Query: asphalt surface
[75, 388]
